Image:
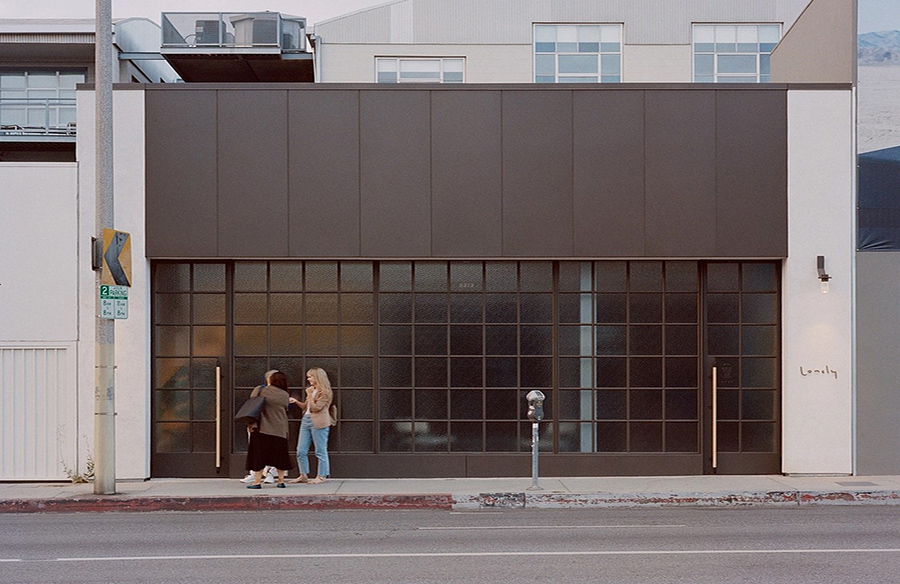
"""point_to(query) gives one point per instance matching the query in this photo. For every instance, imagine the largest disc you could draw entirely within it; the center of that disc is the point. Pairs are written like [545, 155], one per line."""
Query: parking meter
[535, 414]
[535, 405]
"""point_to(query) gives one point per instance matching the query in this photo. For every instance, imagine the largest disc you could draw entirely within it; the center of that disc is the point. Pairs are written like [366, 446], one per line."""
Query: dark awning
[879, 200]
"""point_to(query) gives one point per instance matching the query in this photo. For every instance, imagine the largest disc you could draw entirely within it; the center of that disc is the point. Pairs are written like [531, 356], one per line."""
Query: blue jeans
[319, 437]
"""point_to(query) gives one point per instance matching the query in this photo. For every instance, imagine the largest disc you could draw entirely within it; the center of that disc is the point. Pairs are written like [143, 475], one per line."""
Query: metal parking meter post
[534, 458]
[535, 414]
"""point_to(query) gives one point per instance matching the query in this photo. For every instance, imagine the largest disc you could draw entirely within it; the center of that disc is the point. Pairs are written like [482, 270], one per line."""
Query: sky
[874, 15]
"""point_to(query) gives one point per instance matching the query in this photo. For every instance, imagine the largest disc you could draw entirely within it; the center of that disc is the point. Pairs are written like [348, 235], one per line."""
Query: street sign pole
[104, 390]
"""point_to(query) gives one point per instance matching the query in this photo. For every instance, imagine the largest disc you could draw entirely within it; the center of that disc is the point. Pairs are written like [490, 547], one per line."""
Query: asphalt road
[788, 545]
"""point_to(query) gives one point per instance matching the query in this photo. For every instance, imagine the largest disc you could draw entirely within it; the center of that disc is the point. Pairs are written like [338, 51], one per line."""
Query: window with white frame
[577, 53]
[419, 70]
[734, 53]
[38, 98]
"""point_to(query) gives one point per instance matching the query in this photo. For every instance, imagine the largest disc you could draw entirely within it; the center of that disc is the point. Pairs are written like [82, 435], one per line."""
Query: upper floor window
[734, 53]
[577, 53]
[38, 100]
[419, 70]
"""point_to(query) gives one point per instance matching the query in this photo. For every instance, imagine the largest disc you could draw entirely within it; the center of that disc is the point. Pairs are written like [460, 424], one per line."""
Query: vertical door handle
[218, 418]
[715, 419]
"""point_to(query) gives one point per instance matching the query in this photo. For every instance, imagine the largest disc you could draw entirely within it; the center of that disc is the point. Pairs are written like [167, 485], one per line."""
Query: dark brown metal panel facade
[395, 173]
[182, 190]
[751, 173]
[387, 465]
[609, 173]
[252, 165]
[486, 171]
[680, 173]
[323, 166]
[399, 465]
[466, 174]
[537, 174]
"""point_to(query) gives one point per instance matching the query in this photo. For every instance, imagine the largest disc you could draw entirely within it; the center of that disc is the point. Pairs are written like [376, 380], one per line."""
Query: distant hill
[879, 48]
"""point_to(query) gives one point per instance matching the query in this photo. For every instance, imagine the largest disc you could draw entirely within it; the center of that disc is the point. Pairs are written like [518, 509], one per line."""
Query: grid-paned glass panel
[637, 335]
[582, 53]
[287, 315]
[729, 53]
[189, 324]
[743, 338]
[462, 341]
[420, 70]
[436, 356]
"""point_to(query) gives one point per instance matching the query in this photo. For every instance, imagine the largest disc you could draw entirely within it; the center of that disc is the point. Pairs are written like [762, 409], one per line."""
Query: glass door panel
[743, 347]
[189, 349]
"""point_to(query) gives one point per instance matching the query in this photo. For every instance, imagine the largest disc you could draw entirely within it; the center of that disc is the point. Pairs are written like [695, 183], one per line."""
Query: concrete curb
[536, 500]
[242, 503]
[444, 501]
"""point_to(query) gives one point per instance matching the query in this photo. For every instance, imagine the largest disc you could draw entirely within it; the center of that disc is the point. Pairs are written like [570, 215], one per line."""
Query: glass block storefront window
[294, 315]
[629, 356]
[437, 356]
[459, 344]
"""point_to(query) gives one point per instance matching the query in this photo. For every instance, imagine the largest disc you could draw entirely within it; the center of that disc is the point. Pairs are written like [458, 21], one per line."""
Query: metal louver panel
[38, 416]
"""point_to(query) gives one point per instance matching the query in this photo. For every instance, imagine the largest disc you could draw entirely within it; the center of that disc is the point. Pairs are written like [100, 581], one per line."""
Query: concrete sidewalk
[475, 493]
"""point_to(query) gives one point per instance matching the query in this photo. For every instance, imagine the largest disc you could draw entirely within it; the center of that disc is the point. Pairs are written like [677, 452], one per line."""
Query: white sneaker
[248, 478]
[271, 477]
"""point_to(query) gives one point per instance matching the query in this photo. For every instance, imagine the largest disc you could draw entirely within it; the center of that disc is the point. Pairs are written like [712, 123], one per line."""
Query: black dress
[267, 450]
[268, 441]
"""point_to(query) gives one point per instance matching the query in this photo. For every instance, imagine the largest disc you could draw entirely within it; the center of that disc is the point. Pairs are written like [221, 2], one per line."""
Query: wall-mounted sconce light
[823, 275]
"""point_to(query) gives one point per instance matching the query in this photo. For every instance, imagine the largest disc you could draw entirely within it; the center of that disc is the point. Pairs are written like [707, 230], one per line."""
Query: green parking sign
[113, 302]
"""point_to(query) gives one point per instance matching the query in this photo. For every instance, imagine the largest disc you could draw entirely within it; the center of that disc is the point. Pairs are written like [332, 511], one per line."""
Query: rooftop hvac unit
[208, 32]
[252, 29]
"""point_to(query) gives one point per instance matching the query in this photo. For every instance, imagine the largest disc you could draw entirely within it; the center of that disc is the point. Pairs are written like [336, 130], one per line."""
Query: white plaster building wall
[501, 63]
[87, 288]
[817, 369]
[657, 64]
[132, 377]
[509, 21]
[38, 320]
[484, 63]
[38, 233]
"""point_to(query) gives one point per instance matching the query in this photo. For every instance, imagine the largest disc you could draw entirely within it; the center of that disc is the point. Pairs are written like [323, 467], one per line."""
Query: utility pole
[105, 389]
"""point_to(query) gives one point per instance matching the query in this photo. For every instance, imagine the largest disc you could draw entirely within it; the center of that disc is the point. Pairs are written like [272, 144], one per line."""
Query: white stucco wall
[132, 376]
[38, 320]
[819, 328]
[38, 233]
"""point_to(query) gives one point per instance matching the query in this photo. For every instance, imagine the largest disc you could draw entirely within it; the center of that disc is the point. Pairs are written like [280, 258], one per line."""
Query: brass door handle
[218, 418]
[715, 419]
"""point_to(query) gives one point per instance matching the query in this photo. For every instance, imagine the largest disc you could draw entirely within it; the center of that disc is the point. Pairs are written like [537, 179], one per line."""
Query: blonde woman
[315, 426]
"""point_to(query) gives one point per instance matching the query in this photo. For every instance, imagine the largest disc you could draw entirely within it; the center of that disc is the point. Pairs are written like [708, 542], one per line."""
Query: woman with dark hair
[268, 438]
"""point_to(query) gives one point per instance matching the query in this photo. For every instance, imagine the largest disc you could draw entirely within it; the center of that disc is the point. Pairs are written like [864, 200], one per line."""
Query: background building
[46, 334]
[441, 250]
